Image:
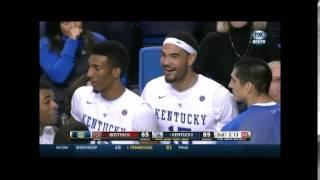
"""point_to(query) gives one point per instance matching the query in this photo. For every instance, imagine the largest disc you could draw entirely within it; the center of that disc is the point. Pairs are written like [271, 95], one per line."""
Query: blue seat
[149, 65]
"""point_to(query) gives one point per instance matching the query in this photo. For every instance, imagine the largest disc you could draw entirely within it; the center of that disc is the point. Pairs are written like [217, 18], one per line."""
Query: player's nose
[164, 61]
[230, 85]
[90, 73]
[55, 105]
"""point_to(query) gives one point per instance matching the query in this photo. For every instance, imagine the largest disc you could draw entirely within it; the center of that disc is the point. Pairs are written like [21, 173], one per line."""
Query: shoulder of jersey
[157, 82]
[211, 84]
[84, 90]
[133, 97]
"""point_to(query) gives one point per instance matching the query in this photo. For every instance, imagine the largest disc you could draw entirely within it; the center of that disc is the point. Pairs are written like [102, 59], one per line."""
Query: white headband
[181, 44]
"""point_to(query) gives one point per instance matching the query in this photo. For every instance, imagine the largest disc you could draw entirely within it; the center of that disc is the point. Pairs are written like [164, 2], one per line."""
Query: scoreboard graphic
[163, 136]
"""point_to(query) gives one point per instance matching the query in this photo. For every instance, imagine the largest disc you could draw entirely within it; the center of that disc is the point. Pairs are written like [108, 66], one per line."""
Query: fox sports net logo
[258, 37]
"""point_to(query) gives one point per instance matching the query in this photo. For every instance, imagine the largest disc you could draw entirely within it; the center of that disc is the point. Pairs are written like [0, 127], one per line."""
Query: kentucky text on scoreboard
[163, 136]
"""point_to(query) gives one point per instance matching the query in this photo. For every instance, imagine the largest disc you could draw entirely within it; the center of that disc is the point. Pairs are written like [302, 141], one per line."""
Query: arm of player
[225, 110]
[144, 119]
[145, 95]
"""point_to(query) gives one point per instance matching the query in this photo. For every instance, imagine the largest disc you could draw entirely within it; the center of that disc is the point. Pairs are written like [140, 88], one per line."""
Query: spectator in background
[220, 50]
[275, 87]
[48, 113]
[64, 54]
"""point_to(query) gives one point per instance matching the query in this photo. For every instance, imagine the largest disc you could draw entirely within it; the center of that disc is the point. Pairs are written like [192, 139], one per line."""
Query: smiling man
[107, 105]
[183, 100]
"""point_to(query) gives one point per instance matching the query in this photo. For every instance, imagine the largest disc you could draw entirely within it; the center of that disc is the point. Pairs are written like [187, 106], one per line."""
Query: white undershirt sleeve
[75, 103]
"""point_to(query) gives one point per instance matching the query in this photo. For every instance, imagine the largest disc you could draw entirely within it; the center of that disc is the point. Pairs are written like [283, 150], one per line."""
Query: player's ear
[116, 72]
[191, 59]
[249, 87]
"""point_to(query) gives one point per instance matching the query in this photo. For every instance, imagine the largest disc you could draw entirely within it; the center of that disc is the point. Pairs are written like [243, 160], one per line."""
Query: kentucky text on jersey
[98, 125]
[184, 118]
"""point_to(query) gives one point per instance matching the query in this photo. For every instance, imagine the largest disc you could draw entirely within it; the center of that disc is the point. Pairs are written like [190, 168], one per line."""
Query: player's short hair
[44, 84]
[256, 71]
[186, 37]
[62, 136]
[116, 52]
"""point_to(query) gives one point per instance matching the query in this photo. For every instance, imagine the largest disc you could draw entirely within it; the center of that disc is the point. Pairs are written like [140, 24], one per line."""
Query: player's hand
[75, 32]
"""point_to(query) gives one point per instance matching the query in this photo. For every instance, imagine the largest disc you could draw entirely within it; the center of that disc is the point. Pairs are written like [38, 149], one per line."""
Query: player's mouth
[168, 71]
[55, 115]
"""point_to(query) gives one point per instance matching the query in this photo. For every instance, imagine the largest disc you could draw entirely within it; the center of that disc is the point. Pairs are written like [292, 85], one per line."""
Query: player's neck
[190, 79]
[114, 92]
[259, 99]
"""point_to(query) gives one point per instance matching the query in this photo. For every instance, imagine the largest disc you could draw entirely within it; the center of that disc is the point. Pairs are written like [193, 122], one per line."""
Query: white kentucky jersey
[47, 136]
[127, 113]
[206, 106]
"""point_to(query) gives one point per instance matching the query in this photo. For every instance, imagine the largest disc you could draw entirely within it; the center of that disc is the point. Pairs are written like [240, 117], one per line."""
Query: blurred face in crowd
[71, 28]
[275, 86]
[238, 24]
[48, 107]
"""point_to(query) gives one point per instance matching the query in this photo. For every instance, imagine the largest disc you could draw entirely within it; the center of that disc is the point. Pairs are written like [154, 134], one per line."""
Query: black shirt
[217, 56]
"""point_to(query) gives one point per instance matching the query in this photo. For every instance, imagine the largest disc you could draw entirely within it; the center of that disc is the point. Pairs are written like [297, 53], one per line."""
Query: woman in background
[64, 55]
[220, 50]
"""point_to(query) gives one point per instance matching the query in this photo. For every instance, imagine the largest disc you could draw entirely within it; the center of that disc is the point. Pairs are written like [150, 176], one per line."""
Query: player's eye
[46, 102]
[95, 67]
[174, 56]
[65, 22]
